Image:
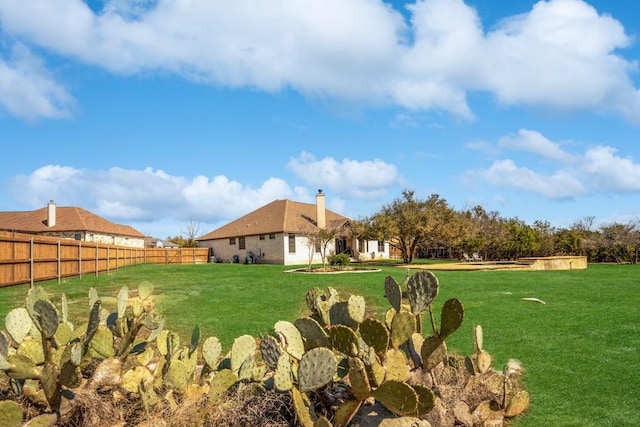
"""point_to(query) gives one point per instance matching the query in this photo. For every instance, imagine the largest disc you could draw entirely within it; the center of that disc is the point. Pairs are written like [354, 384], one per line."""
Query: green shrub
[339, 260]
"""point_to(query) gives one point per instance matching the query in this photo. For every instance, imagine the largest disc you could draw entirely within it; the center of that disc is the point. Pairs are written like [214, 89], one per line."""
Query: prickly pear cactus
[10, 414]
[317, 368]
[397, 396]
[451, 317]
[18, 324]
[403, 326]
[211, 350]
[422, 289]
[393, 293]
[294, 345]
[375, 334]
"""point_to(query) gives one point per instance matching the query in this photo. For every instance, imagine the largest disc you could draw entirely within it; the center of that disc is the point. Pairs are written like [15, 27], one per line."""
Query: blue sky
[155, 113]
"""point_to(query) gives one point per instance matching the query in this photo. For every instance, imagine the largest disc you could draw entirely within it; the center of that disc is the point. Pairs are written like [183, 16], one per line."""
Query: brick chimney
[321, 216]
[51, 214]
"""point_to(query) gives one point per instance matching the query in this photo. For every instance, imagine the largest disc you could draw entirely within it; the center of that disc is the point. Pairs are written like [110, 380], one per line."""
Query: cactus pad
[131, 379]
[483, 361]
[344, 340]
[403, 326]
[32, 348]
[177, 376]
[94, 321]
[415, 347]
[426, 400]
[360, 386]
[47, 317]
[220, 385]
[305, 414]
[244, 348]
[10, 413]
[102, 342]
[123, 297]
[395, 365]
[145, 289]
[195, 339]
[21, 367]
[451, 317]
[375, 335]
[34, 294]
[270, 350]
[18, 323]
[345, 412]
[356, 308]
[399, 397]
[282, 379]
[433, 352]
[311, 330]
[317, 368]
[518, 404]
[211, 350]
[292, 337]
[4, 345]
[422, 288]
[393, 293]
[478, 338]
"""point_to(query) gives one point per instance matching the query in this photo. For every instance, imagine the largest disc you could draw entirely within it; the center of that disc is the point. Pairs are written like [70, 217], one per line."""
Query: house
[154, 242]
[71, 222]
[283, 232]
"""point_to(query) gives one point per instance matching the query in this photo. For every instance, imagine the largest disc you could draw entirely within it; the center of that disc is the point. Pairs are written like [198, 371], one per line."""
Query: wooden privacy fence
[28, 258]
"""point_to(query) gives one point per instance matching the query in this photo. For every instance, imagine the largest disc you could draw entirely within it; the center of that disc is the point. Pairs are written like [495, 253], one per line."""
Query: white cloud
[598, 170]
[360, 179]
[534, 142]
[560, 185]
[146, 195]
[28, 90]
[611, 173]
[561, 55]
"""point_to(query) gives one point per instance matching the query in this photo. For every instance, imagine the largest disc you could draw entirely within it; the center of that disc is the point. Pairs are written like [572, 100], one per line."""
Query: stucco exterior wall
[132, 242]
[369, 251]
[271, 251]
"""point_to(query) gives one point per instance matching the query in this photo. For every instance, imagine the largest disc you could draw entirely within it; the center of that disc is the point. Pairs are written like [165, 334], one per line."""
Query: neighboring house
[282, 232]
[154, 242]
[71, 223]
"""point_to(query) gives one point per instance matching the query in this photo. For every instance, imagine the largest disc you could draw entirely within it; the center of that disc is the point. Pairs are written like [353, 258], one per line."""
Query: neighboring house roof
[279, 216]
[68, 219]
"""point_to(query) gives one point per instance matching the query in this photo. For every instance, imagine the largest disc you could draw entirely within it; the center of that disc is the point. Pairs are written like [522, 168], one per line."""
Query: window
[232, 240]
[241, 243]
[78, 236]
[380, 245]
[272, 236]
[292, 243]
[318, 244]
[261, 237]
[361, 245]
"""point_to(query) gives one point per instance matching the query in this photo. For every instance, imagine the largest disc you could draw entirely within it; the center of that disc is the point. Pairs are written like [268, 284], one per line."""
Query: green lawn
[580, 349]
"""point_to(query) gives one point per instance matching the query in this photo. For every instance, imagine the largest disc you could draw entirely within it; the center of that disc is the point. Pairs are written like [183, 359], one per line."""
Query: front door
[341, 245]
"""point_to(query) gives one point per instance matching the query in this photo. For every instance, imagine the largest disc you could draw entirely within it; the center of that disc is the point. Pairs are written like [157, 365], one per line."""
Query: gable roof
[279, 216]
[68, 219]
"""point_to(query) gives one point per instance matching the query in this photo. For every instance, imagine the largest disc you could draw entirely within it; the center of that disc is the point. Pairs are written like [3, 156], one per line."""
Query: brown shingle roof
[279, 216]
[68, 219]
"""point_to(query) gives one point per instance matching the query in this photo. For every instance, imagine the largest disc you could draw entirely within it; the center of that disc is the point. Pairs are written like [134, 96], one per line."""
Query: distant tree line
[432, 228]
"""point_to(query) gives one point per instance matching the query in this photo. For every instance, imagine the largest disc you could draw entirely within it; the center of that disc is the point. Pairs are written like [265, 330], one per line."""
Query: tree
[320, 240]
[408, 222]
[190, 233]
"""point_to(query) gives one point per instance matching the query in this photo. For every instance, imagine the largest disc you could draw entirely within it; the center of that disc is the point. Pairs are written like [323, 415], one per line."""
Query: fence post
[108, 260]
[80, 259]
[59, 262]
[97, 264]
[31, 262]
